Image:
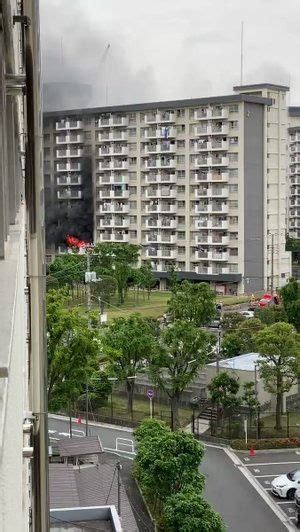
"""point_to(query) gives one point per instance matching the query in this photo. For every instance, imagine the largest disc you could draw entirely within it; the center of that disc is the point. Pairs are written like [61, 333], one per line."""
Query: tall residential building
[294, 172]
[200, 184]
[23, 418]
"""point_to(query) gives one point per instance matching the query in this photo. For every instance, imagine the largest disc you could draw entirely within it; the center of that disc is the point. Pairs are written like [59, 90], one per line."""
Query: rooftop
[173, 104]
[79, 446]
[244, 362]
[254, 86]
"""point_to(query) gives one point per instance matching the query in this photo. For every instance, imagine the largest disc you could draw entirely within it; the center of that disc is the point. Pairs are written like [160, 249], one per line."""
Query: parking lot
[266, 466]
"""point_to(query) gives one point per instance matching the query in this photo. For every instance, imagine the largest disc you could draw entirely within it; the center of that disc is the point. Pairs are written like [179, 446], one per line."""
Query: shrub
[272, 443]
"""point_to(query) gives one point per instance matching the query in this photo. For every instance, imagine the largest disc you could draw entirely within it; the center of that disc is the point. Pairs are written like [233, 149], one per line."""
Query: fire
[75, 242]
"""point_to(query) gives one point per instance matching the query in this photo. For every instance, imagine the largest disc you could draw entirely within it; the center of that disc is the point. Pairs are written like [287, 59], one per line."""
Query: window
[132, 204]
[87, 150]
[181, 204]
[47, 137]
[132, 191]
[233, 141]
[181, 219]
[132, 118]
[132, 132]
[233, 220]
[233, 172]
[87, 135]
[181, 189]
[180, 159]
[181, 250]
[132, 219]
[181, 174]
[233, 124]
[132, 176]
[233, 189]
[233, 252]
[180, 128]
[46, 165]
[46, 152]
[181, 235]
[87, 120]
[47, 179]
[133, 234]
[132, 146]
[132, 160]
[180, 113]
[180, 143]
[233, 157]
[233, 108]
[233, 268]
[233, 204]
[233, 236]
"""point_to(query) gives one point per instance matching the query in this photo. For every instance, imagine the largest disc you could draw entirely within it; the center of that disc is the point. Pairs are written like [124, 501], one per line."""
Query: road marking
[284, 502]
[270, 463]
[265, 476]
[124, 442]
[260, 490]
[267, 482]
[256, 470]
[246, 459]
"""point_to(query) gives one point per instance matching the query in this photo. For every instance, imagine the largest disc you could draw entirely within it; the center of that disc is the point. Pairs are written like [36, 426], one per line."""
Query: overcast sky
[169, 49]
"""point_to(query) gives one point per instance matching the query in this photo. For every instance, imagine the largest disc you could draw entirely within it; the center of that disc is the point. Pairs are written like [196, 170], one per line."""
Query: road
[227, 489]
[241, 507]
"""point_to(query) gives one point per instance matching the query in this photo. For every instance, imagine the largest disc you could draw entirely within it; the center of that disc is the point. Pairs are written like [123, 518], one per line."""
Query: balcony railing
[69, 194]
[68, 124]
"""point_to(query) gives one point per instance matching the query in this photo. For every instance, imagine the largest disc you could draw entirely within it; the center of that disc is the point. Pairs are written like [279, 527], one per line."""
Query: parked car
[265, 301]
[285, 486]
[297, 501]
[247, 314]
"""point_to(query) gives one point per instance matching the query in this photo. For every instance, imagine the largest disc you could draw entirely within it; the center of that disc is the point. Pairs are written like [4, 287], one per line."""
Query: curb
[273, 451]
[92, 423]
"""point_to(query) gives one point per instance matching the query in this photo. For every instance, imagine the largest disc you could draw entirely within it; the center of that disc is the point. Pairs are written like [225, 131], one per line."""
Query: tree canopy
[193, 302]
[290, 294]
[223, 390]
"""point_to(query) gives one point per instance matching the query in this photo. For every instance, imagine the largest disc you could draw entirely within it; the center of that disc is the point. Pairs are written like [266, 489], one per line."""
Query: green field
[152, 308]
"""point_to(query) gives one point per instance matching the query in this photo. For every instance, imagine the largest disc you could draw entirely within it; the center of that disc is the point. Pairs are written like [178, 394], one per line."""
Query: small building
[246, 368]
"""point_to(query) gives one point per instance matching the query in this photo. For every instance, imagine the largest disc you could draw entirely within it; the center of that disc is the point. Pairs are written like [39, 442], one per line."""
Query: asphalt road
[241, 507]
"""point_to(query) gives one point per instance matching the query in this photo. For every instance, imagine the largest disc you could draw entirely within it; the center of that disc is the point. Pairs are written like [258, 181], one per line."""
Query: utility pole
[272, 264]
[87, 408]
[218, 350]
[119, 467]
[88, 281]
[256, 400]
[88, 271]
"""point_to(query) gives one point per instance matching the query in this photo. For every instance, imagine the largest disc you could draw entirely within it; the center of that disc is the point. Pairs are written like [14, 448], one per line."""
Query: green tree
[187, 511]
[249, 396]
[290, 294]
[166, 462]
[150, 428]
[270, 315]
[66, 270]
[193, 302]
[184, 351]
[279, 361]
[223, 390]
[129, 343]
[73, 350]
[231, 321]
[243, 340]
[104, 288]
[173, 279]
[147, 279]
[100, 388]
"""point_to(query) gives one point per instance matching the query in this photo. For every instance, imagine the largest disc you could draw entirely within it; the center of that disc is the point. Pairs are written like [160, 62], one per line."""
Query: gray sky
[169, 49]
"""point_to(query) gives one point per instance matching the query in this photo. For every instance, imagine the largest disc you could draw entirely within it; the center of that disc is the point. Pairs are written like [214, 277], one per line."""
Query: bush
[273, 443]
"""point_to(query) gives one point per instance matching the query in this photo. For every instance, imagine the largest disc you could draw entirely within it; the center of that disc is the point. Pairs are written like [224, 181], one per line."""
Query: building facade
[294, 172]
[200, 184]
[23, 419]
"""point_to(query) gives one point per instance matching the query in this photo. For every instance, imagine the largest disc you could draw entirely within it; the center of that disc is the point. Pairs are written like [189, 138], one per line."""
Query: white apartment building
[200, 184]
[23, 419]
[294, 172]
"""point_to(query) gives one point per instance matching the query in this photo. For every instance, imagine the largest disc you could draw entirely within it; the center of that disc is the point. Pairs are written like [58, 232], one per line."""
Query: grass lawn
[292, 420]
[152, 308]
[141, 410]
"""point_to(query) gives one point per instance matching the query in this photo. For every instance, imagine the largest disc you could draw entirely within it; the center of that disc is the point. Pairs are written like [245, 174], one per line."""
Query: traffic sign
[150, 394]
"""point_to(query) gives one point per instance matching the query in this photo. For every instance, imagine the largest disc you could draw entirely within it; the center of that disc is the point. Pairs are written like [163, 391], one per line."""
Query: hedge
[271, 443]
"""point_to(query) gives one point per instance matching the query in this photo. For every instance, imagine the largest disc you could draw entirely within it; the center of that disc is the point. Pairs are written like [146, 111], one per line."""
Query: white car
[247, 314]
[285, 486]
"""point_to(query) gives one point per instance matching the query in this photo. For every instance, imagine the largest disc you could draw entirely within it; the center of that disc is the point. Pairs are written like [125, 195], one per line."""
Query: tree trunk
[175, 424]
[278, 411]
[130, 390]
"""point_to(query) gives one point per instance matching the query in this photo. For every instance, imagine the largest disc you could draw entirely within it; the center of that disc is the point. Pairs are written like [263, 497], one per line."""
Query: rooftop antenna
[242, 52]
[103, 60]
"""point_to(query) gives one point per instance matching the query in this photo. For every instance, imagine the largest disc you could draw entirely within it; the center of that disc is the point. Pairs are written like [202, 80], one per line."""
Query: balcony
[115, 221]
[69, 139]
[295, 159]
[218, 176]
[202, 114]
[219, 271]
[113, 179]
[107, 193]
[211, 192]
[161, 238]
[161, 253]
[68, 124]
[112, 121]
[160, 178]
[161, 223]
[219, 112]
[75, 152]
[160, 118]
[113, 207]
[112, 165]
[69, 180]
[220, 256]
[203, 270]
[160, 207]
[295, 137]
[211, 223]
[160, 147]
[165, 192]
[209, 113]
[113, 150]
[69, 194]
[68, 167]
[160, 162]
[113, 237]
[212, 240]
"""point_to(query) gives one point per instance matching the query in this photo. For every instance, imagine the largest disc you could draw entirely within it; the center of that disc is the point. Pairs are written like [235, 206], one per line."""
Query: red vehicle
[266, 301]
